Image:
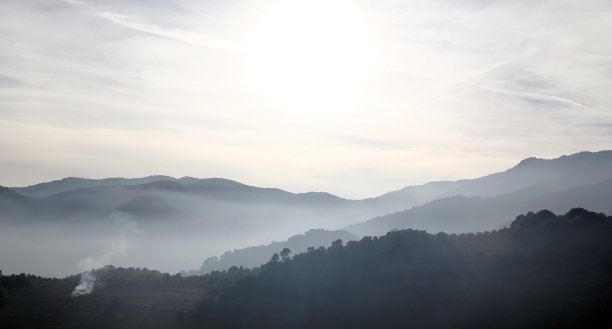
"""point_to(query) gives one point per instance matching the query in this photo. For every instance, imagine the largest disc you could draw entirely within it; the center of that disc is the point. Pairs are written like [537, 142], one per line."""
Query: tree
[275, 258]
[337, 243]
[285, 254]
[3, 297]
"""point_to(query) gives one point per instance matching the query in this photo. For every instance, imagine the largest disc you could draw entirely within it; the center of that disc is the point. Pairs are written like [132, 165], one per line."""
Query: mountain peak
[8, 193]
[529, 162]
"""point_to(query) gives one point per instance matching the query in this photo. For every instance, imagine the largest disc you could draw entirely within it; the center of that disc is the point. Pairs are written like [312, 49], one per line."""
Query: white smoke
[124, 227]
[86, 286]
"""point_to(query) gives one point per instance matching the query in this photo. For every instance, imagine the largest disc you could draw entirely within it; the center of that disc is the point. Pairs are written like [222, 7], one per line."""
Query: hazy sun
[310, 56]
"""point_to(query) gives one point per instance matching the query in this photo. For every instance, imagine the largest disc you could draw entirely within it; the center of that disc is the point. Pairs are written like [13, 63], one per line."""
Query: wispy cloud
[540, 97]
[198, 39]
[9, 82]
[94, 88]
[134, 23]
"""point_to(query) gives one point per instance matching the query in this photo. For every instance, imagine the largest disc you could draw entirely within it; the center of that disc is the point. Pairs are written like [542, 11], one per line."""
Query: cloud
[8, 82]
[198, 39]
[131, 87]
[540, 97]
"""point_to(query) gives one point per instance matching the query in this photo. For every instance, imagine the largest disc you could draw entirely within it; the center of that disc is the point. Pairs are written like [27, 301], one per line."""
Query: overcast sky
[351, 97]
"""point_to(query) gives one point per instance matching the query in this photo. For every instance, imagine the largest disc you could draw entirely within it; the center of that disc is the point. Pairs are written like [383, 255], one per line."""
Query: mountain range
[125, 220]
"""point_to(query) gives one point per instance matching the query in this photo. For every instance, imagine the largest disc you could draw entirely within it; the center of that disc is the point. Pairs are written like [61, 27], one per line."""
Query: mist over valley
[321, 164]
[174, 224]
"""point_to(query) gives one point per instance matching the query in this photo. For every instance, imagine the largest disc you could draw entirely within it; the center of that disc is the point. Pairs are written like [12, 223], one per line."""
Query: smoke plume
[86, 286]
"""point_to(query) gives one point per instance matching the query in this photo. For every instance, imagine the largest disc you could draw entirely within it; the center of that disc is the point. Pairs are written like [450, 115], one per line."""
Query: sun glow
[310, 56]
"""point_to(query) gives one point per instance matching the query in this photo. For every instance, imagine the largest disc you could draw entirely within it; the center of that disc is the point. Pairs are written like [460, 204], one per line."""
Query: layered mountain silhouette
[557, 174]
[580, 180]
[206, 217]
[256, 256]
[157, 221]
[462, 214]
[72, 195]
[154, 197]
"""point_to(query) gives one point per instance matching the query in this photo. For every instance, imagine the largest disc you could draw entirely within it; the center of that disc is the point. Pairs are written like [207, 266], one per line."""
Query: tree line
[542, 271]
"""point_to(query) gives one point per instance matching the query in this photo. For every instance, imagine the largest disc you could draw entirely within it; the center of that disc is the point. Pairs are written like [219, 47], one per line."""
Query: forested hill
[256, 256]
[544, 271]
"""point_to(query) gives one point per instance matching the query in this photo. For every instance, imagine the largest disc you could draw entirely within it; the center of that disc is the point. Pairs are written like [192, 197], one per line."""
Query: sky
[356, 98]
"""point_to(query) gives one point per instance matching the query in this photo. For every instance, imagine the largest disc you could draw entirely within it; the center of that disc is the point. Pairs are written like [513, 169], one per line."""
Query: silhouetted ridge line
[543, 271]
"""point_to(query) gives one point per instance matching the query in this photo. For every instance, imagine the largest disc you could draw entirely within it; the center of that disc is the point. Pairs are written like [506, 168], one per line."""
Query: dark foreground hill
[544, 271]
[122, 298]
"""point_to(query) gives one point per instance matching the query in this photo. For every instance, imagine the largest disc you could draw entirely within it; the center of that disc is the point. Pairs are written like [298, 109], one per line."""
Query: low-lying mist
[62, 246]
[73, 225]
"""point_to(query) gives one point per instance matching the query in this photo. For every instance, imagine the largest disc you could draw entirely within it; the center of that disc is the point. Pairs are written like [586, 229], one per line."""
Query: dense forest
[544, 271]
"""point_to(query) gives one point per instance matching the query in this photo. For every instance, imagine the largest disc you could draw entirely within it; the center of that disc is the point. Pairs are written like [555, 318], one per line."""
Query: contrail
[536, 96]
[198, 39]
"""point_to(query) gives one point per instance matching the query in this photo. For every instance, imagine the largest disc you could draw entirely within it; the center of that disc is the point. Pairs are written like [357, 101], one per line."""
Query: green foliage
[543, 271]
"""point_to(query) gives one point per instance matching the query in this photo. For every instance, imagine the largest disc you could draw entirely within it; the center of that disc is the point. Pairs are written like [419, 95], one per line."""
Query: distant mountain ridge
[215, 214]
[561, 173]
[213, 187]
[463, 214]
[566, 171]
[75, 183]
[161, 196]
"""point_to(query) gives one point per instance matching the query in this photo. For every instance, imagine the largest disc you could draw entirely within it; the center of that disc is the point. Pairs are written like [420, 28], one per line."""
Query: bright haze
[355, 98]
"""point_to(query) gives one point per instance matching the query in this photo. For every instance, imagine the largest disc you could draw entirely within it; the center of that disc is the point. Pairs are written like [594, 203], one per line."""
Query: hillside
[544, 271]
[135, 224]
[122, 298]
[548, 175]
[256, 256]
[131, 221]
[193, 197]
[462, 214]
